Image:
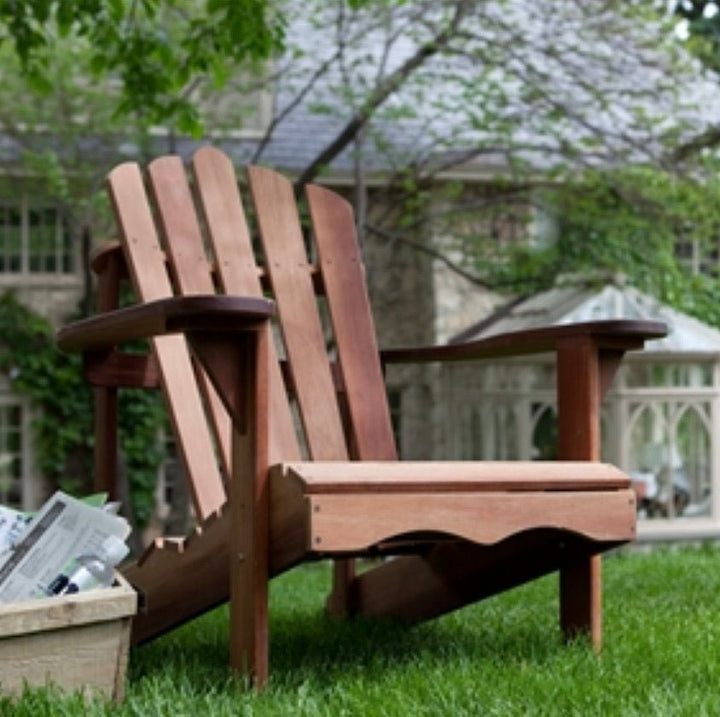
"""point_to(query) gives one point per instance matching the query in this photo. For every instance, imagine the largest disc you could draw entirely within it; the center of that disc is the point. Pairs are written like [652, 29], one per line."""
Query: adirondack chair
[268, 496]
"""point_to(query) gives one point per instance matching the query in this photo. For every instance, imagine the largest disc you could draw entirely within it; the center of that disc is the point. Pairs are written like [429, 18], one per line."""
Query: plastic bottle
[90, 571]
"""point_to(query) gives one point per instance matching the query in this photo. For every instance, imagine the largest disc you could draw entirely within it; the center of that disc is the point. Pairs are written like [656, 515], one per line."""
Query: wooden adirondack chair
[461, 530]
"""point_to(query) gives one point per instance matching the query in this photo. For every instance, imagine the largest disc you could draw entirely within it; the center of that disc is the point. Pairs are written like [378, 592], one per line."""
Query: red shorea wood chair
[237, 340]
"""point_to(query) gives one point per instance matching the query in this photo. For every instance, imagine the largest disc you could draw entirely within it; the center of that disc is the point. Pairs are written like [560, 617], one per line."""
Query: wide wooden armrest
[623, 335]
[225, 314]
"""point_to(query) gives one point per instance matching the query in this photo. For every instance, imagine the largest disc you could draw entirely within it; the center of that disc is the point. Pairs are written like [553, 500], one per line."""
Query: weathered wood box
[77, 641]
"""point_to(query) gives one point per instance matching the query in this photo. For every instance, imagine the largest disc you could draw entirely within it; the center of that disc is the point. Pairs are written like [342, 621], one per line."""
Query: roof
[578, 302]
[548, 83]
[524, 81]
[551, 82]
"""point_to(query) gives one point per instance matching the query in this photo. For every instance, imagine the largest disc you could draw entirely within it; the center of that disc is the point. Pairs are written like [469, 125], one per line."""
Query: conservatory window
[670, 458]
[669, 374]
[544, 433]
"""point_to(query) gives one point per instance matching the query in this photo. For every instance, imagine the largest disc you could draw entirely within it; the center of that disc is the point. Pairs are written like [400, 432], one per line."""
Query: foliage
[156, 48]
[636, 223]
[429, 85]
[53, 382]
[477, 86]
[502, 656]
[62, 422]
[141, 418]
[703, 27]
[700, 28]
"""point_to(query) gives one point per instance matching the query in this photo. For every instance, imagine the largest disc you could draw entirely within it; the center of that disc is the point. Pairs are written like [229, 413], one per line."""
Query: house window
[12, 458]
[34, 239]
[699, 257]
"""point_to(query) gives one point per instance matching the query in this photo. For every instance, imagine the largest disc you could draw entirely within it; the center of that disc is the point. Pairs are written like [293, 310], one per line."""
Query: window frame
[66, 253]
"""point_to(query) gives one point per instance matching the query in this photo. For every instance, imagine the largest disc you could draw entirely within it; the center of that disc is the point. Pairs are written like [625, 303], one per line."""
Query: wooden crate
[77, 641]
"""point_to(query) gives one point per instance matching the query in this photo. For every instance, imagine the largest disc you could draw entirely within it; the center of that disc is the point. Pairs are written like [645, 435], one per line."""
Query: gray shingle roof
[531, 77]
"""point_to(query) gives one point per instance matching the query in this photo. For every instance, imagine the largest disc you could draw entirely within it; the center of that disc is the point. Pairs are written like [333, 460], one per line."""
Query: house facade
[457, 156]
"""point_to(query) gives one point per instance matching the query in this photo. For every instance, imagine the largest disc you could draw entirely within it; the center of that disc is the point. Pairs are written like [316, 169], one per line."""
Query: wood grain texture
[178, 581]
[290, 274]
[239, 274]
[105, 395]
[355, 523]
[343, 277]
[620, 335]
[582, 378]
[145, 259]
[328, 477]
[190, 270]
[449, 576]
[75, 642]
[477, 527]
[249, 505]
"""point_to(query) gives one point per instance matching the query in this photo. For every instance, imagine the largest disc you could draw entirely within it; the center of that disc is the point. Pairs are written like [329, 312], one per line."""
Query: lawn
[501, 657]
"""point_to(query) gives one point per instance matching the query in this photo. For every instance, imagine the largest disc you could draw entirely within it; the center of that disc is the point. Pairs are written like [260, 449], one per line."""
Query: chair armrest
[108, 251]
[622, 335]
[227, 314]
[587, 356]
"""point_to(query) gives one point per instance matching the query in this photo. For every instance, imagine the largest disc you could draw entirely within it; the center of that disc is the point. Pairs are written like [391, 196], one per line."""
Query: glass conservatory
[660, 420]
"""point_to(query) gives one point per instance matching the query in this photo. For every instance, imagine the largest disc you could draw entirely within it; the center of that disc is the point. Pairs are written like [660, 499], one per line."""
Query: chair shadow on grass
[307, 646]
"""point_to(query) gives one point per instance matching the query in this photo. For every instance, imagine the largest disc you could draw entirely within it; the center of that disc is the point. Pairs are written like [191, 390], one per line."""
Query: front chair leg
[584, 373]
[580, 600]
[238, 367]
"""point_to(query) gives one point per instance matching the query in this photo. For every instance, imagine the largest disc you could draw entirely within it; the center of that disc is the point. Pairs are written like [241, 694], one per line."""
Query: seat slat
[343, 277]
[447, 476]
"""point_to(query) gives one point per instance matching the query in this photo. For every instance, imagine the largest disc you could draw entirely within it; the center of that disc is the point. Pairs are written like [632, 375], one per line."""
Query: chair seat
[449, 476]
[350, 508]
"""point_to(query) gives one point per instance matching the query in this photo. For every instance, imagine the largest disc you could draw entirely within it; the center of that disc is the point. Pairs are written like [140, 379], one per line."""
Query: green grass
[500, 657]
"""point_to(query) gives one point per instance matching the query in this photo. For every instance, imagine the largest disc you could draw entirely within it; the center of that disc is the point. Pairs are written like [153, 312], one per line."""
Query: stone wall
[423, 293]
[56, 301]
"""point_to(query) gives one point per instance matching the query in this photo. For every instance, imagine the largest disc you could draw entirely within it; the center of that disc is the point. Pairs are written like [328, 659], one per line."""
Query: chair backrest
[189, 234]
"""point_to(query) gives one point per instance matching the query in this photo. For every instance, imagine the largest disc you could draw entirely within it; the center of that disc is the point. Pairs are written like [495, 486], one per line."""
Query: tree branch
[380, 93]
[705, 140]
[430, 251]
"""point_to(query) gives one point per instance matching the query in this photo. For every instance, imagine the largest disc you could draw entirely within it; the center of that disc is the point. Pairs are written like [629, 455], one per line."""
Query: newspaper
[62, 529]
[12, 525]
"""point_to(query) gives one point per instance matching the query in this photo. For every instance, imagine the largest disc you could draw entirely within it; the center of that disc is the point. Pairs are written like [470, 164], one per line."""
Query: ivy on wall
[635, 221]
[63, 410]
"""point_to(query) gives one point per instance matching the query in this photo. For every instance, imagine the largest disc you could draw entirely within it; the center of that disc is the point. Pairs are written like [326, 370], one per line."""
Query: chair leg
[580, 599]
[339, 601]
[249, 622]
[249, 572]
[238, 366]
[584, 374]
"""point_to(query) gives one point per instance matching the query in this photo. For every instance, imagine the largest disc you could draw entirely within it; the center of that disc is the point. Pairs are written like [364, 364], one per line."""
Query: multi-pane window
[670, 454]
[12, 460]
[34, 240]
[699, 257]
